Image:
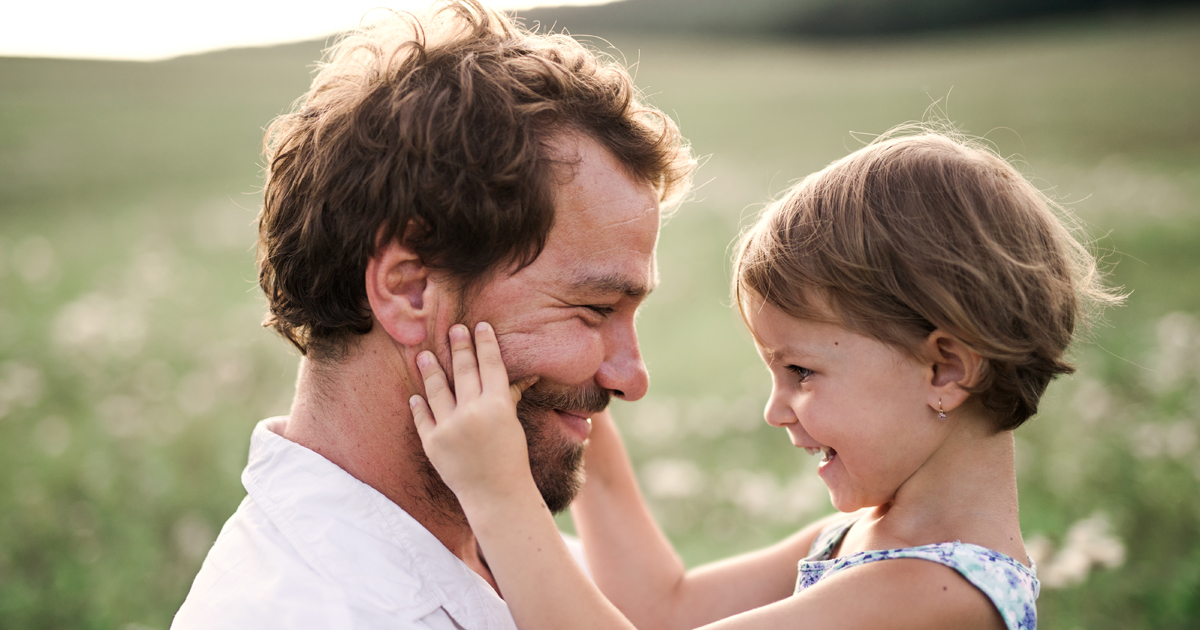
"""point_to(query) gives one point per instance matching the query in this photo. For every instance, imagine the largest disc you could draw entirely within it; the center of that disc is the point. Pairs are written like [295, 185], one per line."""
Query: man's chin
[556, 446]
[560, 480]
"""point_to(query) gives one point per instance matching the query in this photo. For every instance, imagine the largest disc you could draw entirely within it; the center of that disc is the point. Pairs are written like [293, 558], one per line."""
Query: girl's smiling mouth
[827, 453]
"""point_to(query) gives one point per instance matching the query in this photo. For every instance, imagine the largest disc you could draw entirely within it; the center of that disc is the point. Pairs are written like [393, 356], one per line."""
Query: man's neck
[355, 414]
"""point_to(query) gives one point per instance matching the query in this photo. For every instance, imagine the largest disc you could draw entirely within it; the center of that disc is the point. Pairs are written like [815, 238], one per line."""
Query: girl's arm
[475, 441]
[637, 569]
[479, 449]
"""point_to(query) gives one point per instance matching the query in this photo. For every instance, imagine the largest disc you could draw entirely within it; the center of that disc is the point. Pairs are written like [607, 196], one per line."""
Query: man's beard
[555, 461]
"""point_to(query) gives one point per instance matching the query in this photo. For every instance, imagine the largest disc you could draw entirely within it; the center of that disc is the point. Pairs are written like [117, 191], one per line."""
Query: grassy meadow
[133, 368]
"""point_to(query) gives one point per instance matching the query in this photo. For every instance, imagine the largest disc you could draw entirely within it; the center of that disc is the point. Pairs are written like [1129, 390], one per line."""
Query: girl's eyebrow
[777, 355]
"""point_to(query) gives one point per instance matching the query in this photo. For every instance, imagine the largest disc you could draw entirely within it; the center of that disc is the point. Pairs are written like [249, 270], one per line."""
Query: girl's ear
[955, 368]
[400, 293]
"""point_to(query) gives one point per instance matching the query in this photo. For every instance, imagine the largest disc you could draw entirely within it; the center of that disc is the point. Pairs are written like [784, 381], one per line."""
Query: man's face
[568, 318]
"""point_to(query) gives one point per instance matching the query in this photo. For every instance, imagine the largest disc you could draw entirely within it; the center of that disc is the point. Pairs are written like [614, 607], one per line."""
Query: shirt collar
[356, 537]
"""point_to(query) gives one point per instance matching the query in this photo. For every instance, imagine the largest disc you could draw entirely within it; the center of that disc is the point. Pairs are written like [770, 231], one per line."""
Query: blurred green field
[132, 366]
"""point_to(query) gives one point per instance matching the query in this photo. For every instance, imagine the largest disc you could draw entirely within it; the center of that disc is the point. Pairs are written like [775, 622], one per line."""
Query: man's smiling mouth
[579, 422]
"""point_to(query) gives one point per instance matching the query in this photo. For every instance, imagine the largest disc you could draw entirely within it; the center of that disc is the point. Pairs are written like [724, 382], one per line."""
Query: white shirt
[313, 547]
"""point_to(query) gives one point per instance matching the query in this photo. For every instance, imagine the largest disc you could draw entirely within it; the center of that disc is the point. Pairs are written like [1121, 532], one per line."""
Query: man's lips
[578, 422]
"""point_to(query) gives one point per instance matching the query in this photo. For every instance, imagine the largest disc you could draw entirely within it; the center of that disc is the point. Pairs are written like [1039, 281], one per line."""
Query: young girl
[911, 301]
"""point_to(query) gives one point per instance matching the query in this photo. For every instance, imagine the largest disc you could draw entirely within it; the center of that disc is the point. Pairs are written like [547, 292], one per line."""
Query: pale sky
[149, 30]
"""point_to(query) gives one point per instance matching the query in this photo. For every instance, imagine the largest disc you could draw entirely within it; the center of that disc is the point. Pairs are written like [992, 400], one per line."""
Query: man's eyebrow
[613, 283]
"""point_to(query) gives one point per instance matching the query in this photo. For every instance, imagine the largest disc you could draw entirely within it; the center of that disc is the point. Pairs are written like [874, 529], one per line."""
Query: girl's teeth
[826, 452]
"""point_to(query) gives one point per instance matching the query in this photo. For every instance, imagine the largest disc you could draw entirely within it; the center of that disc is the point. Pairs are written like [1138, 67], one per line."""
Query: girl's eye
[801, 372]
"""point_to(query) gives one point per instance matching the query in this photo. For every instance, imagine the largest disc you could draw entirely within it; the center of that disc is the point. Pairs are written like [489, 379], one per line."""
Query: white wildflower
[101, 325]
[672, 478]
[1089, 542]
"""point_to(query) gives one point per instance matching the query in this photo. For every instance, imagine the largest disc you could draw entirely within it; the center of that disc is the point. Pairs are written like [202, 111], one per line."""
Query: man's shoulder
[254, 577]
[313, 547]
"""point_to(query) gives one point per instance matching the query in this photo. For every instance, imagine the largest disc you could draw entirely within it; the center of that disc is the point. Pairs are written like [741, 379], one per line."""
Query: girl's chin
[844, 506]
[842, 498]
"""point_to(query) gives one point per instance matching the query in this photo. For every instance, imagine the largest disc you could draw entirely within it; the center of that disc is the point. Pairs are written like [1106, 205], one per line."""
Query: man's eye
[801, 372]
[603, 311]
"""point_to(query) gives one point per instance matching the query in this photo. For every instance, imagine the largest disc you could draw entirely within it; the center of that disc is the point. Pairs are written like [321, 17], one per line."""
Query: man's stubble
[555, 462]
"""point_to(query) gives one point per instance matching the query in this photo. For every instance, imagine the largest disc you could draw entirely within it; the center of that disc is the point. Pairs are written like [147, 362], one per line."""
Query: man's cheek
[566, 356]
[514, 351]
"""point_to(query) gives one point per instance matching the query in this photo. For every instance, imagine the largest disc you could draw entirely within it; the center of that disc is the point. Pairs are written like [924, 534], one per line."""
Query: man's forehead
[605, 227]
[628, 218]
[598, 189]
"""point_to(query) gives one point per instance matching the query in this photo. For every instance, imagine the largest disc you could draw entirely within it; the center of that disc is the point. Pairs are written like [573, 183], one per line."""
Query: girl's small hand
[472, 435]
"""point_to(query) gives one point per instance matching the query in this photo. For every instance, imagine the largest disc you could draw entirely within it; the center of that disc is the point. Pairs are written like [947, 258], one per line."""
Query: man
[442, 169]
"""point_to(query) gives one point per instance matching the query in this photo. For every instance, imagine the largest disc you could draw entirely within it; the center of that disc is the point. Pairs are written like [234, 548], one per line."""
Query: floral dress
[1012, 587]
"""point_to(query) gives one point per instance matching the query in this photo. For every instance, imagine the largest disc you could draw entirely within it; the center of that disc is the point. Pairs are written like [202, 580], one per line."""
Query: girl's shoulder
[1012, 587]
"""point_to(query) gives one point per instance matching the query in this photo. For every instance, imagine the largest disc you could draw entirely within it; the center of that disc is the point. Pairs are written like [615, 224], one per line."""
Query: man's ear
[955, 368]
[400, 292]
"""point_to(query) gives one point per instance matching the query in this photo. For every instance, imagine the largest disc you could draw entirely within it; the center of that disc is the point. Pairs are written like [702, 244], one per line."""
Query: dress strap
[830, 538]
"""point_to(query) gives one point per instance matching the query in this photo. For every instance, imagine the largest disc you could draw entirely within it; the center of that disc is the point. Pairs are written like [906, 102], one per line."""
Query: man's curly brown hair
[438, 131]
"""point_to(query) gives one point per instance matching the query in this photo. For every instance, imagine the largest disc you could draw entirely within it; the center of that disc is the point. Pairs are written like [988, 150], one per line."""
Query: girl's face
[854, 401]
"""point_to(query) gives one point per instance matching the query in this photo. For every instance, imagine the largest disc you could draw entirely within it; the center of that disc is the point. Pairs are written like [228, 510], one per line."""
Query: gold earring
[941, 412]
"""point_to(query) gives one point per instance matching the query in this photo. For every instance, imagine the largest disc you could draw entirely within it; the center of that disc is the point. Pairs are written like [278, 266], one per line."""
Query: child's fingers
[492, 373]
[462, 357]
[422, 416]
[437, 390]
[518, 388]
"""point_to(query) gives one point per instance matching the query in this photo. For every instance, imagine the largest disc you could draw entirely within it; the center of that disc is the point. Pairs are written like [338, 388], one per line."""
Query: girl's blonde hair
[923, 231]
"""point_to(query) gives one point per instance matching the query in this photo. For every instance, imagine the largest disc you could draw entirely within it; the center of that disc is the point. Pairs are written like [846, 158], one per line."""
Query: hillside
[818, 17]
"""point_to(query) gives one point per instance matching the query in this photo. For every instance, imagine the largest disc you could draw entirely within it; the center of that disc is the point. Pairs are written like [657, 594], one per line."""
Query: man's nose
[623, 372]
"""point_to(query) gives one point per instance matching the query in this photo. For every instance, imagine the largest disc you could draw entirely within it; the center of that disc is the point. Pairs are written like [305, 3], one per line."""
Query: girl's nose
[777, 413]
